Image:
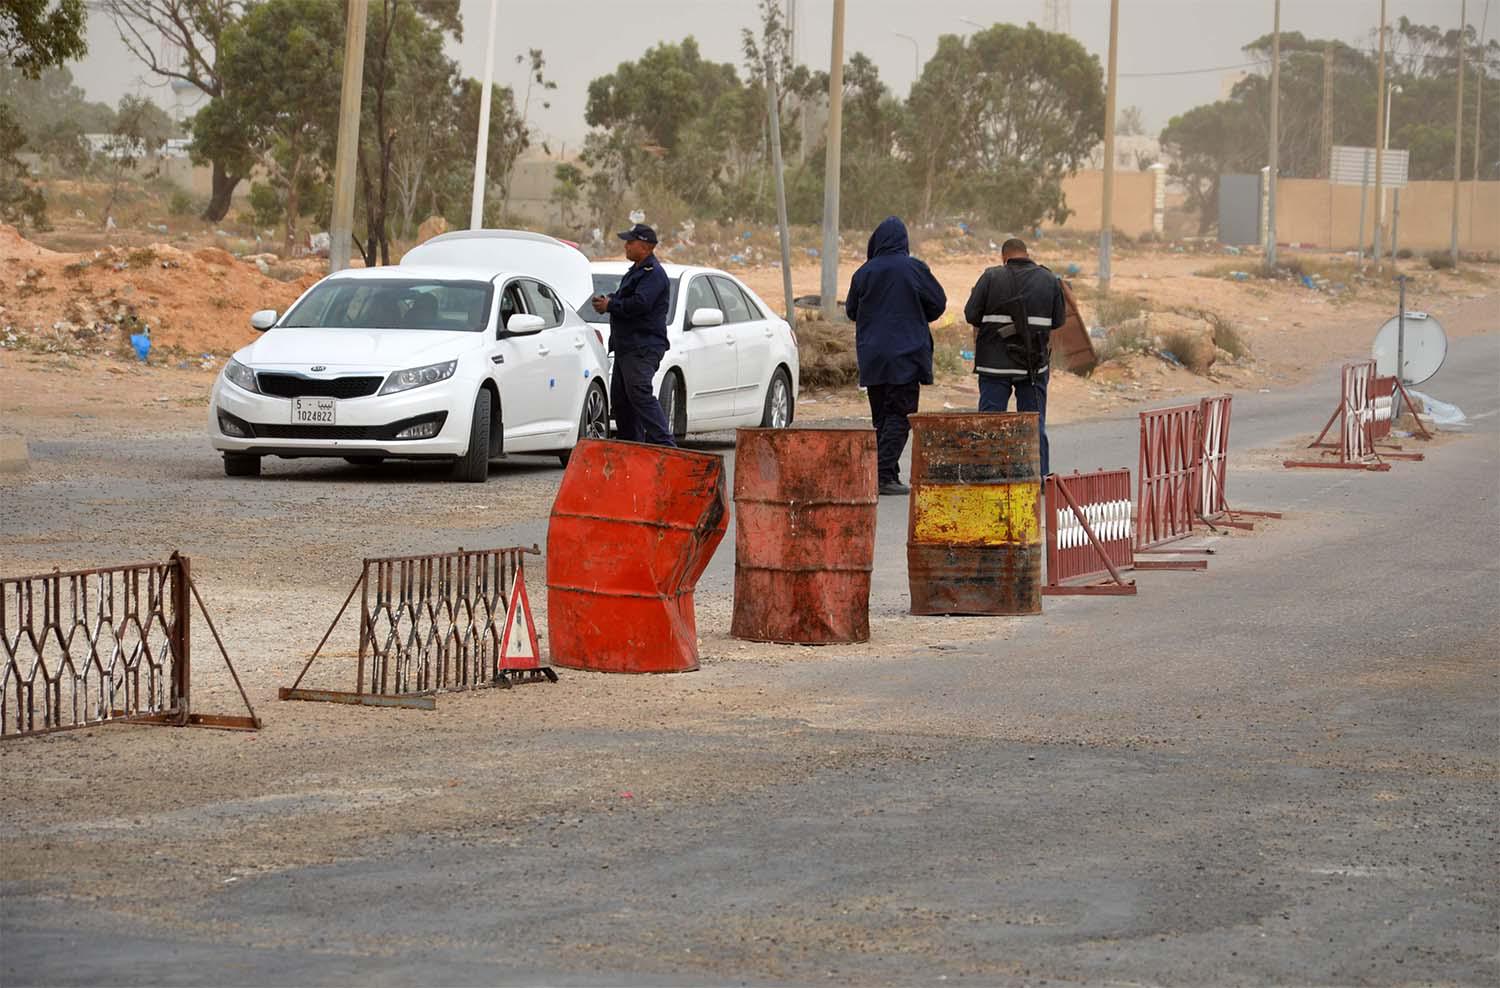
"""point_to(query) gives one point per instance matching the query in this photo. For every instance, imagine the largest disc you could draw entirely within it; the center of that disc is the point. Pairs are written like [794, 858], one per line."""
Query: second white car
[731, 361]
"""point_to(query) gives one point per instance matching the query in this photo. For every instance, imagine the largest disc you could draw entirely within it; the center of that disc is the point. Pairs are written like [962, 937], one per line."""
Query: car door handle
[768, 332]
[730, 341]
[543, 350]
[578, 343]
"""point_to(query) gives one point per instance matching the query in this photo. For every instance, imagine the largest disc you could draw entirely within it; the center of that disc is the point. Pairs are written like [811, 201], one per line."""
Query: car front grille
[293, 386]
[386, 433]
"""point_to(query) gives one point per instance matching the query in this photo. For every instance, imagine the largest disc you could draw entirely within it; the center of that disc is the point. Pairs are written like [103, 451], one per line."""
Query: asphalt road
[1281, 771]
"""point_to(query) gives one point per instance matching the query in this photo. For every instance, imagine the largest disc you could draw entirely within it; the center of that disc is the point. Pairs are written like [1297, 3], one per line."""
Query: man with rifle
[1014, 308]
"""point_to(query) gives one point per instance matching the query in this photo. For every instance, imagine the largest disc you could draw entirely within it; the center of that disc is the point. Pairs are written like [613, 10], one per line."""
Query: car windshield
[394, 303]
[605, 284]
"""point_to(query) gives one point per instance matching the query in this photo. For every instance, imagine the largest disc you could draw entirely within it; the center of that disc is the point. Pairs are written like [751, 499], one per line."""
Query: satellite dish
[1422, 352]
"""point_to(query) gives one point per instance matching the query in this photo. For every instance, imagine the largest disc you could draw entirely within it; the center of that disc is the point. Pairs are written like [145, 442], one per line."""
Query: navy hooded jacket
[892, 298]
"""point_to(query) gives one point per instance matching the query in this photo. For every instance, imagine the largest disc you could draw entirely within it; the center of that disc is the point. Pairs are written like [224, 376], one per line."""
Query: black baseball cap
[639, 232]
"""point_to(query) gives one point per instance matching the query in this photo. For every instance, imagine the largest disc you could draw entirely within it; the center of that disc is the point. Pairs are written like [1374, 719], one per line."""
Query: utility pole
[781, 225]
[1458, 131]
[1275, 138]
[341, 227]
[1379, 131]
[1106, 212]
[482, 142]
[1479, 80]
[1325, 146]
[830, 284]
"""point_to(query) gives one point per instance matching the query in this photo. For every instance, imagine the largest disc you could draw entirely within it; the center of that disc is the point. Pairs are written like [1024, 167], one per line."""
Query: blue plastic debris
[141, 343]
[736, 258]
[1073, 269]
[966, 354]
[1240, 275]
[1170, 357]
[746, 234]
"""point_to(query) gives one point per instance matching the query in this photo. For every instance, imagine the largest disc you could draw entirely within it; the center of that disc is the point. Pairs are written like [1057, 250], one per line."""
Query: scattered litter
[141, 344]
[1442, 413]
[1170, 357]
[1240, 275]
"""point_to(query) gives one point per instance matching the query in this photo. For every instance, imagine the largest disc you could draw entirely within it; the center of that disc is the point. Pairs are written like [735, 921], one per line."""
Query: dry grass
[826, 352]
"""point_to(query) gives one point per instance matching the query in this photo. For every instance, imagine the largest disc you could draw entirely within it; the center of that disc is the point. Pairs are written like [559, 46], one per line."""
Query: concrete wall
[1313, 211]
[1135, 195]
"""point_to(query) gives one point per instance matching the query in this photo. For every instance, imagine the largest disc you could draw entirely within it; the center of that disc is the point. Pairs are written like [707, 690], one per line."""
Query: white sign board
[1356, 166]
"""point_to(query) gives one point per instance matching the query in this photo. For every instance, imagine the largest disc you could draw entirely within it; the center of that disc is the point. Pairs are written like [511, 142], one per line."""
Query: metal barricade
[106, 645]
[1167, 493]
[1213, 456]
[1090, 535]
[1355, 417]
[429, 624]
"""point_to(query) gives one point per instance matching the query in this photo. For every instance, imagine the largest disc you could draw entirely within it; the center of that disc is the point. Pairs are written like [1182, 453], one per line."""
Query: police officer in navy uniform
[638, 338]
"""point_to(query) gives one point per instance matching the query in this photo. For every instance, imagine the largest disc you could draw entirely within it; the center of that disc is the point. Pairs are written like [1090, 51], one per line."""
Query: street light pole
[1106, 212]
[482, 142]
[1274, 152]
[831, 168]
[1379, 153]
[1458, 131]
[916, 55]
[341, 225]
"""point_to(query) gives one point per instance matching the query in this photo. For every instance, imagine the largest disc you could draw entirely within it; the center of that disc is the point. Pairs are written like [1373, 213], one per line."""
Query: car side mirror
[523, 323]
[706, 317]
[263, 320]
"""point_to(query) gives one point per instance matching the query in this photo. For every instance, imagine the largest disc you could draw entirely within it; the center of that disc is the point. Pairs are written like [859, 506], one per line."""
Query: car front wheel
[593, 423]
[672, 405]
[474, 466]
[778, 411]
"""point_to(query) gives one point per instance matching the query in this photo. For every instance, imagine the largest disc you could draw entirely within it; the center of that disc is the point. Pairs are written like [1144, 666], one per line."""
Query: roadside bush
[181, 204]
[1440, 260]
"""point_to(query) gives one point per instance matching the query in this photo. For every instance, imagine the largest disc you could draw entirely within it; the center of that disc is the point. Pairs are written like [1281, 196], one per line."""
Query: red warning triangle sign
[518, 646]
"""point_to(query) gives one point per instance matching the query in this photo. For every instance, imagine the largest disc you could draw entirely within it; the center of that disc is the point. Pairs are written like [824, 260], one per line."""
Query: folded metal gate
[1167, 492]
[430, 624]
[106, 645]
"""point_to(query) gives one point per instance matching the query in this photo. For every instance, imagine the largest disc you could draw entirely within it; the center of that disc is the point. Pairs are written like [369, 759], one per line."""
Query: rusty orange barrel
[632, 530]
[804, 534]
[974, 533]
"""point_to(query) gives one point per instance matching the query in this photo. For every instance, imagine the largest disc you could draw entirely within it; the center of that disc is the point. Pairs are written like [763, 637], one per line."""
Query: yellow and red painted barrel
[805, 503]
[974, 532]
[632, 529]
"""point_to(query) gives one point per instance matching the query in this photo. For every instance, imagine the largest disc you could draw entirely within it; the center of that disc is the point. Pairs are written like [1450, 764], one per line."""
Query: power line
[1213, 68]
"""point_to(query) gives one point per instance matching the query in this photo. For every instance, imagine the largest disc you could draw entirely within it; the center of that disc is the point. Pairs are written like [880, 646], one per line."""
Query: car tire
[241, 465]
[673, 406]
[365, 461]
[780, 405]
[474, 466]
[593, 421]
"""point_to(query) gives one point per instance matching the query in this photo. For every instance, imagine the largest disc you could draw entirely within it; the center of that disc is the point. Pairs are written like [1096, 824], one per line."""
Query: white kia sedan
[730, 362]
[468, 349]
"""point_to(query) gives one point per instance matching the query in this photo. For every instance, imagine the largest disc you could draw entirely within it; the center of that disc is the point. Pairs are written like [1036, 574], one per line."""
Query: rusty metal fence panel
[1167, 480]
[1090, 533]
[1213, 456]
[95, 646]
[428, 624]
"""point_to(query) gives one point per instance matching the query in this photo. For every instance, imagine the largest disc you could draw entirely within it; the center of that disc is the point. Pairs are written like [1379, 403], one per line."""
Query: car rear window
[605, 284]
[404, 303]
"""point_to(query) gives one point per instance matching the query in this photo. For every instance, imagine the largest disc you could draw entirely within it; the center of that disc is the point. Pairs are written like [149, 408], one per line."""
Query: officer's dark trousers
[638, 414]
[994, 396]
[890, 404]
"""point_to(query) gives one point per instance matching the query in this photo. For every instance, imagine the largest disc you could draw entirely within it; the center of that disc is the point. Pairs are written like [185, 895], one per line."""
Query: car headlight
[241, 376]
[416, 377]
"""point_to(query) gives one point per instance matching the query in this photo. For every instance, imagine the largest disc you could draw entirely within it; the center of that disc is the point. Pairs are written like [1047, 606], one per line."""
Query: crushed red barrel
[804, 537]
[974, 533]
[632, 530]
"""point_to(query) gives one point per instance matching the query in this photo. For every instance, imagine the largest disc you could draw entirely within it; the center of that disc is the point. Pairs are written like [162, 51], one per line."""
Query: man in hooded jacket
[892, 299]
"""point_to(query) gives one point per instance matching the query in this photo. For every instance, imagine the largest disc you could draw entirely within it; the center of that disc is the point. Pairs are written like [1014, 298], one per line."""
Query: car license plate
[314, 411]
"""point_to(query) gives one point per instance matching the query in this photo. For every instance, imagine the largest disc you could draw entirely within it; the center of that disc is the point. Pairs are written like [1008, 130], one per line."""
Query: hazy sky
[583, 39]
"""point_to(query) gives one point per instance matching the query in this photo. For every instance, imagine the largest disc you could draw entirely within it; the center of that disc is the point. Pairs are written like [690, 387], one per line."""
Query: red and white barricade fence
[1367, 406]
[1167, 489]
[1090, 534]
[1213, 467]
